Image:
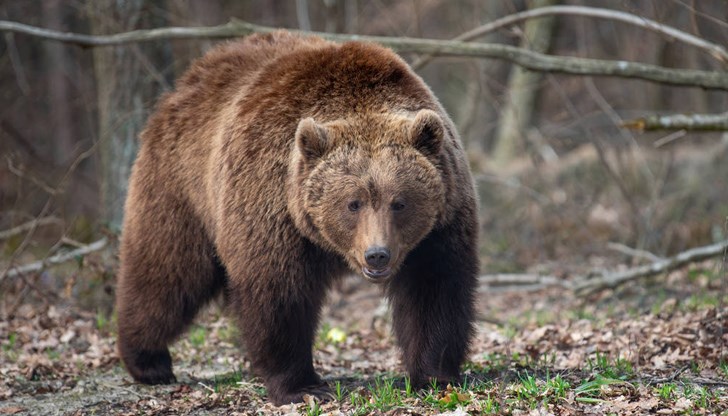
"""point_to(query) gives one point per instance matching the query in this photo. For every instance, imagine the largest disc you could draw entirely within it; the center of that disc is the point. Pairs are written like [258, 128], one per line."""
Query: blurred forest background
[560, 178]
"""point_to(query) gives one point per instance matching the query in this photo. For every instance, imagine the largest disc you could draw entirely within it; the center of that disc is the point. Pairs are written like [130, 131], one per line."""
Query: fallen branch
[519, 56]
[27, 226]
[57, 259]
[693, 122]
[612, 280]
[518, 282]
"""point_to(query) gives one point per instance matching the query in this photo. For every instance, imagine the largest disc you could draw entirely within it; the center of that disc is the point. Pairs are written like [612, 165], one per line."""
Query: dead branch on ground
[519, 56]
[56, 259]
[589, 285]
[615, 279]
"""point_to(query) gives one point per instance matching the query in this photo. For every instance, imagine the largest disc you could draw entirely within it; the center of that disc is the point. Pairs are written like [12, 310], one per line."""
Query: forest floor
[659, 346]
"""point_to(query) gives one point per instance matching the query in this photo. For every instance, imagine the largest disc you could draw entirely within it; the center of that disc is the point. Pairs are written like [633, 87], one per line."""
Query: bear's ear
[427, 133]
[311, 140]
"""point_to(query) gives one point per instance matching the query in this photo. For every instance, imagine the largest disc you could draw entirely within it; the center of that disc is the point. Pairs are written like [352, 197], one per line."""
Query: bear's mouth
[377, 275]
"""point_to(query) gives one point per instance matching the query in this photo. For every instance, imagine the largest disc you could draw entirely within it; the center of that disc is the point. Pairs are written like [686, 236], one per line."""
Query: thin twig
[57, 259]
[519, 56]
[669, 138]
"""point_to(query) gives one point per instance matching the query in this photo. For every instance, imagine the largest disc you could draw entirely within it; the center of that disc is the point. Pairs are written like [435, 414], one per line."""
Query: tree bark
[125, 92]
[60, 114]
[522, 89]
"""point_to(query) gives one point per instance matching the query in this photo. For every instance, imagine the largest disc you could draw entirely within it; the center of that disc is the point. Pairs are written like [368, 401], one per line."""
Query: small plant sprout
[339, 391]
[666, 391]
[408, 387]
[197, 336]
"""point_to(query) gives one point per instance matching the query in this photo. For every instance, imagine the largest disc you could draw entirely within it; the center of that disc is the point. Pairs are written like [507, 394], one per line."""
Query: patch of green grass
[321, 335]
[408, 391]
[10, 347]
[379, 397]
[312, 410]
[227, 380]
[695, 367]
[360, 403]
[604, 366]
[699, 395]
[102, 321]
[591, 391]
[528, 390]
[449, 399]
[338, 391]
[558, 387]
[701, 300]
[229, 334]
[384, 396]
[583, 313]
[723, 367]
[535, 391]
[454, 399]
[197, 336]
[700, 275]
[667, 391]
[53, 355]
[490, 406]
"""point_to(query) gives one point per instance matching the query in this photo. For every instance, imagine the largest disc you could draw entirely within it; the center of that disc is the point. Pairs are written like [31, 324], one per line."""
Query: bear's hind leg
[168, 271]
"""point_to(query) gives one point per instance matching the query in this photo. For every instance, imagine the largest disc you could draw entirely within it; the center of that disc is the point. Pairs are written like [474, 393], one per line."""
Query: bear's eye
[354, 205]
[397, 206]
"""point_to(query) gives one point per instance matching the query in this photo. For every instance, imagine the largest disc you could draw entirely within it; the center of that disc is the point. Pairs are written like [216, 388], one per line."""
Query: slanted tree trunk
[127, 84]
[522, 89]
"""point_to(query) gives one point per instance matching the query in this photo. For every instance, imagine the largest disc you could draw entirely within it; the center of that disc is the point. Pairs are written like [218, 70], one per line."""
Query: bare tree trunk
[59, 110]
[522, 90]
[126, 86]
[304, 21]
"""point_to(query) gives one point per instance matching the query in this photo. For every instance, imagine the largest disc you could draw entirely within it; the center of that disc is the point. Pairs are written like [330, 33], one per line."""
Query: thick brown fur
[276, 166]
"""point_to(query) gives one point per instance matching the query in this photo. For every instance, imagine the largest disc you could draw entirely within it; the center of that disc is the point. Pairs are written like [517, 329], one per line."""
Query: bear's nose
[377, 257]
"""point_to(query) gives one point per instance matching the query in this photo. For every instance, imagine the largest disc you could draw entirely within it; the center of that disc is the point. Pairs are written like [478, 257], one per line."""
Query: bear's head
[368, 188]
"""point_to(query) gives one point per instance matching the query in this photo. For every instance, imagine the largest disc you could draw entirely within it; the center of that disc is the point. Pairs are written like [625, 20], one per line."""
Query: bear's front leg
[432, 304]
[278, 312]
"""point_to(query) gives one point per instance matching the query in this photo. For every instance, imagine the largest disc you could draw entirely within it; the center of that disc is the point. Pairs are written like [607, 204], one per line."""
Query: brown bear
[278, 164]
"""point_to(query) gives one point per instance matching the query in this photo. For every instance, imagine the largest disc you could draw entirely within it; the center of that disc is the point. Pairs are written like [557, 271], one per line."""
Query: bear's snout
[377, 257]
